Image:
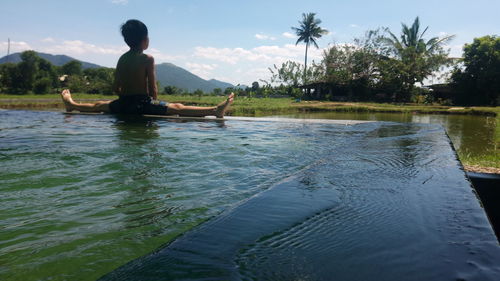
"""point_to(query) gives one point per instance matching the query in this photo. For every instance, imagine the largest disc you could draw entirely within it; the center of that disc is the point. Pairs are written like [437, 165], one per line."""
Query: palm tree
[419, 56]
[413, 38]
[308, 31]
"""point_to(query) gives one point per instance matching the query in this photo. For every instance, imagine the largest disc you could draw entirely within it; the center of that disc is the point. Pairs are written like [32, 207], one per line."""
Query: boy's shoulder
[147, 58]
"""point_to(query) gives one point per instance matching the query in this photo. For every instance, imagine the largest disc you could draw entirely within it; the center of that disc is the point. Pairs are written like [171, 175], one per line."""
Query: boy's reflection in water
[144, 160]
[133, 129]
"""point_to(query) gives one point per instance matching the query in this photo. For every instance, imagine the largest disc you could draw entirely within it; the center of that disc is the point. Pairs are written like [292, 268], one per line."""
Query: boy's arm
[150, 70]
[116, 82]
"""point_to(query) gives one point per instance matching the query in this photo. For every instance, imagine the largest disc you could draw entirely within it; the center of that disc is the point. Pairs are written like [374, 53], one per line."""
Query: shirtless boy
[135, 84]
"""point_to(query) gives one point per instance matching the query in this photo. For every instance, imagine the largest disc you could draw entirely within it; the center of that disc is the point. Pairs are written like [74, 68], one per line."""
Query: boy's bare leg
[221, 109]
[100, 106]
[197, 111]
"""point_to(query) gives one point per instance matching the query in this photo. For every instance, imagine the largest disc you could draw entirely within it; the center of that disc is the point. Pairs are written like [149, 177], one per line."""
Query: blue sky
[233, 41]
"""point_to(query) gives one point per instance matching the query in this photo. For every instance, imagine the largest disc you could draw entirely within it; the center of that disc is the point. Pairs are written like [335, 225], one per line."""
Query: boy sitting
[135, 84]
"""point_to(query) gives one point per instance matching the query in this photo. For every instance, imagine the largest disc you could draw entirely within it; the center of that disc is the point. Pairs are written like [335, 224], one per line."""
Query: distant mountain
[170, 74]
[54, 59]
[166, 73]
[220, 84]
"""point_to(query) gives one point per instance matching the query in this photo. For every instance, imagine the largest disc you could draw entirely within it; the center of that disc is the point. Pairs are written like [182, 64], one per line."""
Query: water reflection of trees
[469, 134]
[395, 149]
[474, 135]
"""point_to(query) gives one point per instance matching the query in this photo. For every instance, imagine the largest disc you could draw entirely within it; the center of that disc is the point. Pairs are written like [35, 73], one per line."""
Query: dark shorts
[138, 104]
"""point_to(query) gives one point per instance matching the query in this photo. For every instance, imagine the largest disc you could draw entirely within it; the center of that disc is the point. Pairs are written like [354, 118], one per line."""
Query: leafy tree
[35, 74]
[101, 73]
[11, 78]
[98, 80]
[217, 91]
[342, 64]
[478, 82]
[172, 90]
[255, 86]
[230, 90]
[46, 78]
[42, 86]
[308, 31]
[198, 93]
[349, 69]
[78, 83]
[289, 73]
[31, 74]
[413, 57]
[73, 67]
[28, 68]
[360, 69]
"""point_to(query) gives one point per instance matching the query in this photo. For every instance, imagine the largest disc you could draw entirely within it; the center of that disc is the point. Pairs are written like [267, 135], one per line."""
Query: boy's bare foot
[223, 106]
[67, 100]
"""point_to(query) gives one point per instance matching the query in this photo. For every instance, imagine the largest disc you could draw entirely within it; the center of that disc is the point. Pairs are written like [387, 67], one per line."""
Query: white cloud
[84, 50]
[262, 54]
[15, 46]
[202, 70]
[260, 36]
[264, 37]
[353, 25]
[289, 35]
[456, 51]
[254, 74]
[120, 2]
[193, 65]
[48, 40]
[162, 57]
[227, 55]
[247, 65]
[77, 47]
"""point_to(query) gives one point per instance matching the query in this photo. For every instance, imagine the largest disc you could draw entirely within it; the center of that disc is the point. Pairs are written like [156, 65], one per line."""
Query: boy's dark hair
[134, 31]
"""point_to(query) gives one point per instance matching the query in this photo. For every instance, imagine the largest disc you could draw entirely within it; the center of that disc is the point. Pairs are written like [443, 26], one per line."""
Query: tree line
[39, 76]
[380, 66]
[384, 66]
[35, 75]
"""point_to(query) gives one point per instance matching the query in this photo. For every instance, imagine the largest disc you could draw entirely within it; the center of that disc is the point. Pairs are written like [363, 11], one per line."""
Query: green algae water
[82, 195]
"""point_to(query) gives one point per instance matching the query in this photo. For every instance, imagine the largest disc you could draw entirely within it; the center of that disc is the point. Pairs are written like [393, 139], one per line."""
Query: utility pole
[8, 49]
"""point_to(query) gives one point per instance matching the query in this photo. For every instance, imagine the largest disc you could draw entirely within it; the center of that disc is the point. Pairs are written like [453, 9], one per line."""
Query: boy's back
[132, 73]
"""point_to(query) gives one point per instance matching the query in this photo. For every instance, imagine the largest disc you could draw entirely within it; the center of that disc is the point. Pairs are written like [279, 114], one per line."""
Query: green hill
[170, 74]
[220, 84]
[166, 73]
[54, 59]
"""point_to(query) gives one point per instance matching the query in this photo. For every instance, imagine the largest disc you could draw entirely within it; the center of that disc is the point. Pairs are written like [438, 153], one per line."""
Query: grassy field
[244, 106]
[257, 106]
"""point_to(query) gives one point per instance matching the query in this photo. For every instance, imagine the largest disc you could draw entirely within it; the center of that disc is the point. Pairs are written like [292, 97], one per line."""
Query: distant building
[324, 91]
[442, 91]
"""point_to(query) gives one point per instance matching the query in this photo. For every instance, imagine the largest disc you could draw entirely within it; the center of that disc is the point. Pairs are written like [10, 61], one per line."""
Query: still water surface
[470, 134]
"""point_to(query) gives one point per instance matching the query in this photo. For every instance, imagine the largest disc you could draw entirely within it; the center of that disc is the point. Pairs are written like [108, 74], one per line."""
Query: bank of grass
[489, 163]
[244, 106]
[257, 106]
